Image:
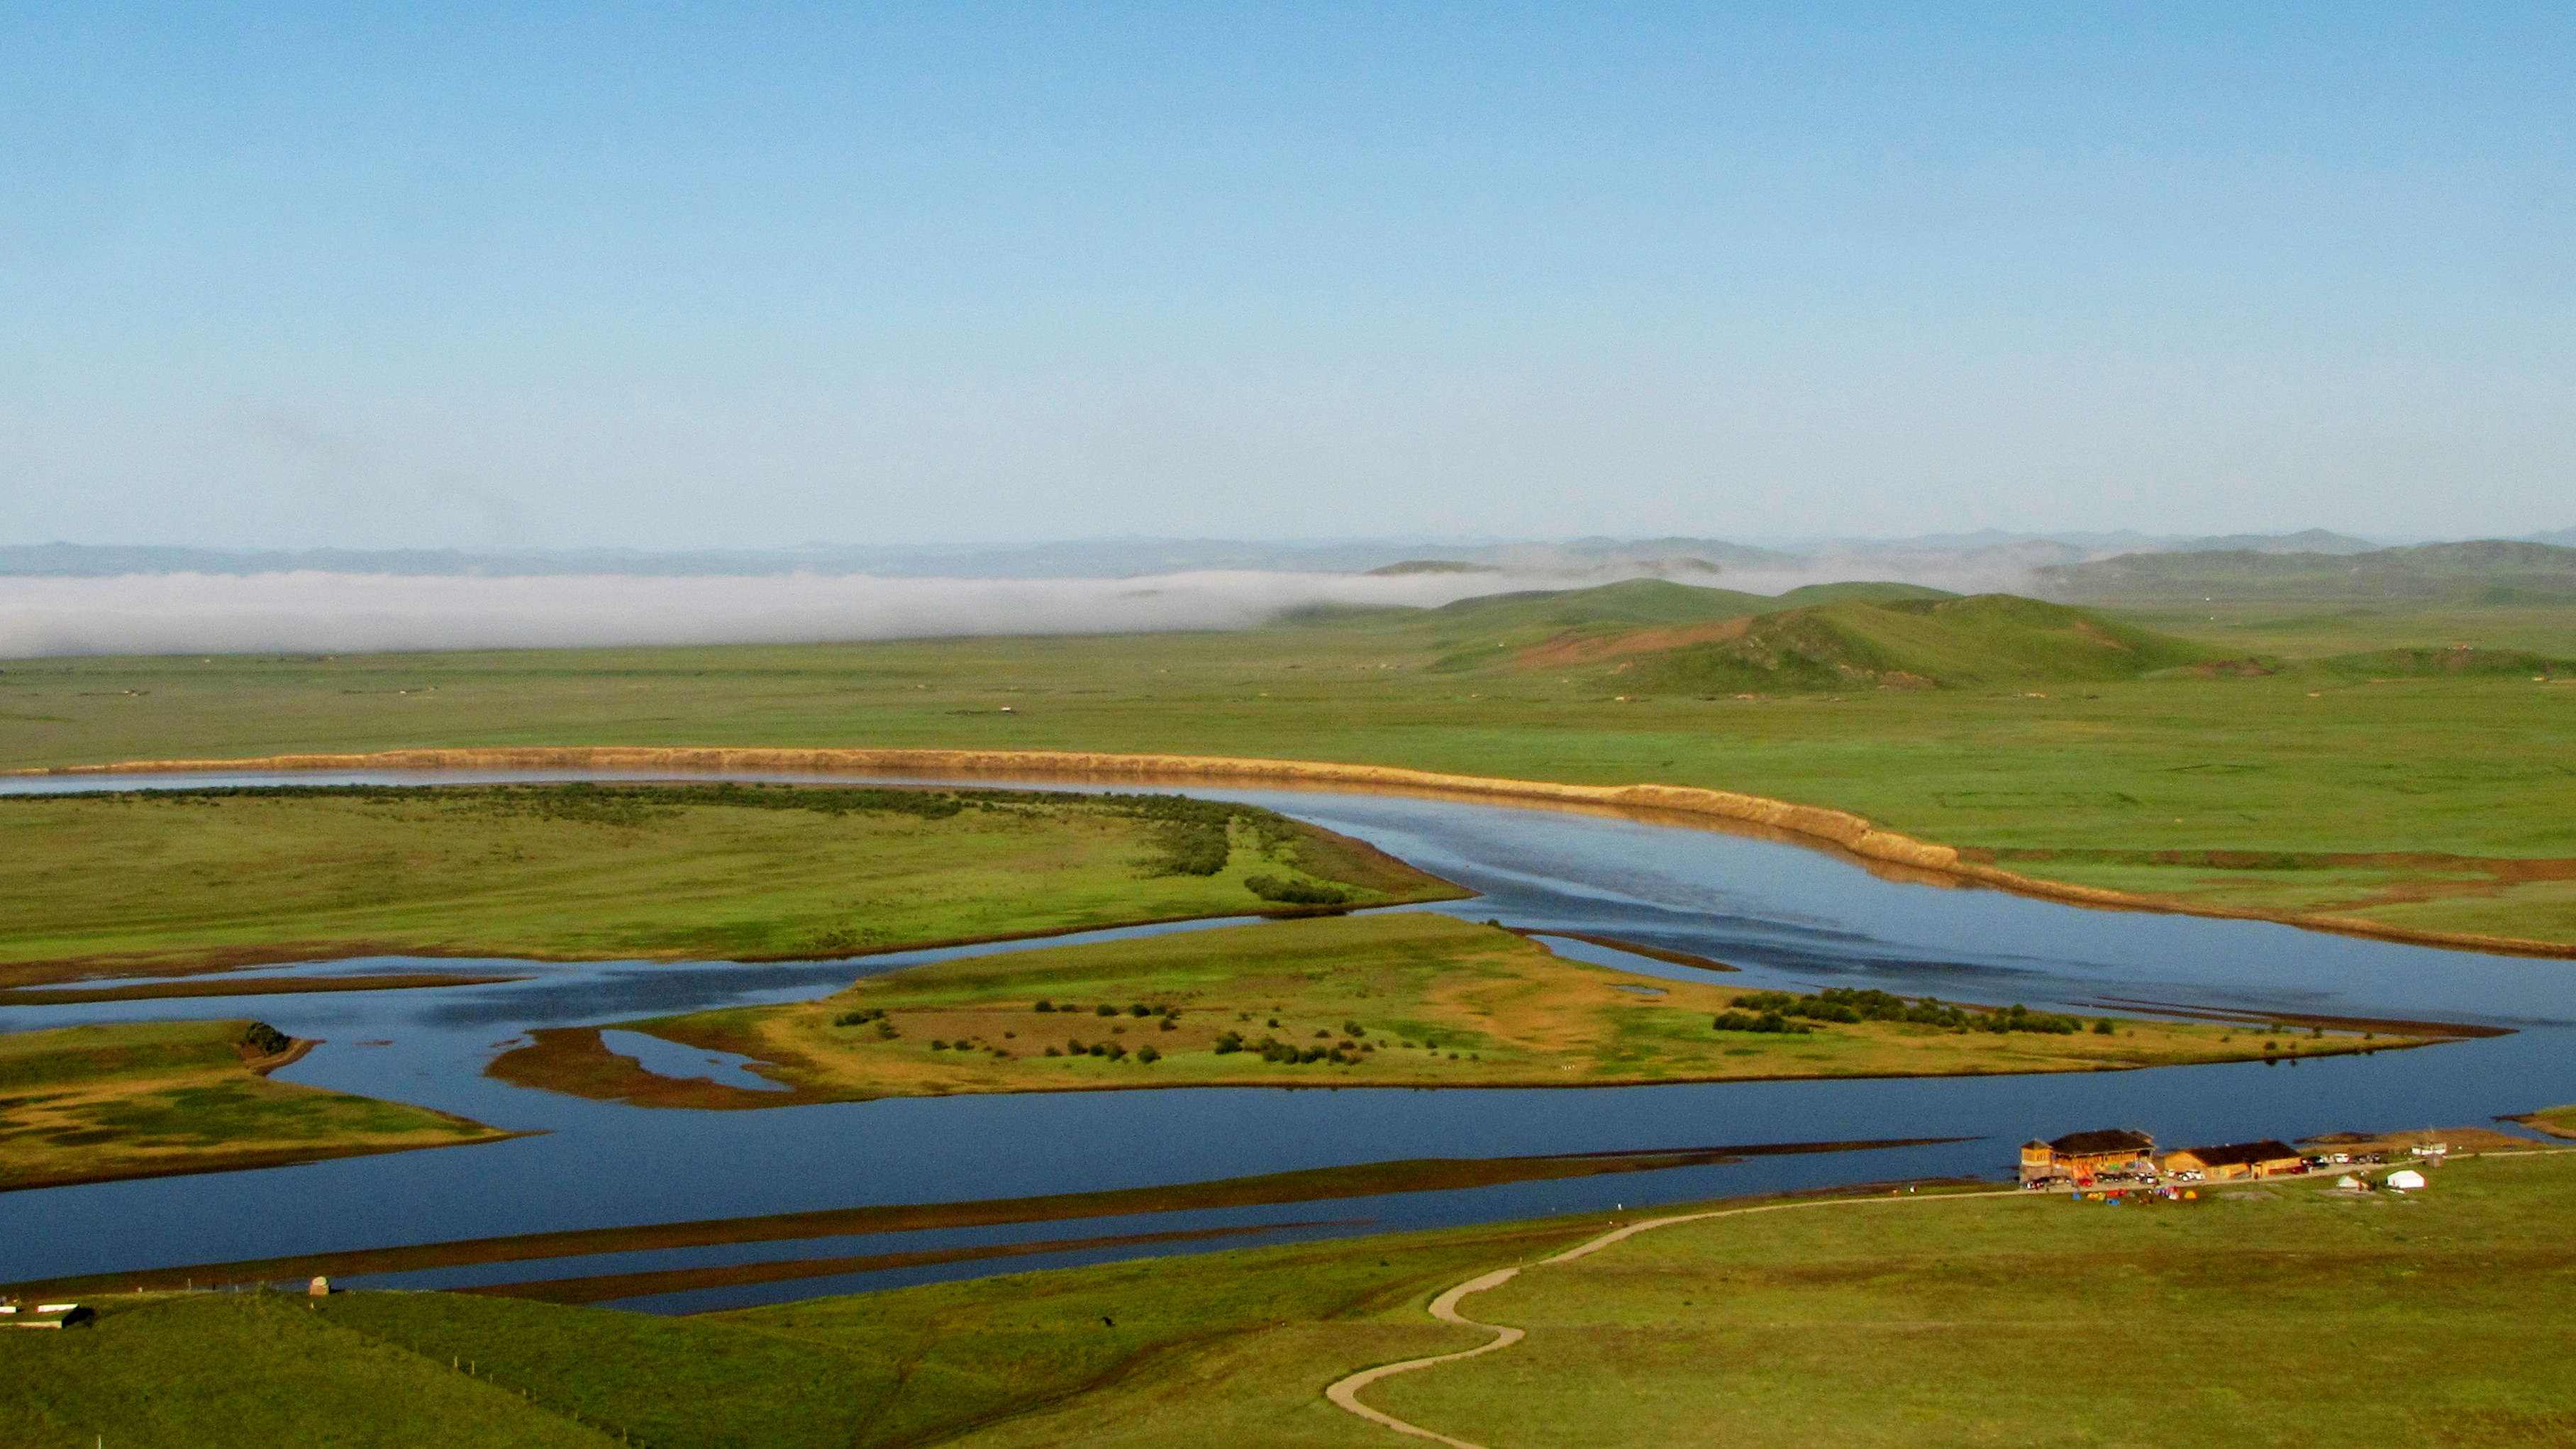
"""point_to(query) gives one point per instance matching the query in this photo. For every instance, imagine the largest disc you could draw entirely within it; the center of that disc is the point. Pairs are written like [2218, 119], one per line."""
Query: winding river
[1789, 915]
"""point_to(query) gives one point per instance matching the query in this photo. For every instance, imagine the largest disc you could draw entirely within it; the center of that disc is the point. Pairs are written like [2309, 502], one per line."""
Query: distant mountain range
[2491, 571]
[1991, 559]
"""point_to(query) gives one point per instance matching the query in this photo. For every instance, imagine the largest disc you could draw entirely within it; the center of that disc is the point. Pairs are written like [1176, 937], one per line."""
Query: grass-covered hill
[1654, 636]
[2489, 571]
[1916, 643]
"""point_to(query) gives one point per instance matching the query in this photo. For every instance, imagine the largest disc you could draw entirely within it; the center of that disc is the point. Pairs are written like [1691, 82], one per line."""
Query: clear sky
[687, 275]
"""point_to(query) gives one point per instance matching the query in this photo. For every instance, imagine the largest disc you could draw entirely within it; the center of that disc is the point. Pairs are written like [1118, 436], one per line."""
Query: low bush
[1768, 1021]
[1295, 892]
[265, 1040]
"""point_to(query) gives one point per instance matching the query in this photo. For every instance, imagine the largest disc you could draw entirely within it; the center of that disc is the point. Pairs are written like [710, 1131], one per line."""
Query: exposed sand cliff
[1813, 824]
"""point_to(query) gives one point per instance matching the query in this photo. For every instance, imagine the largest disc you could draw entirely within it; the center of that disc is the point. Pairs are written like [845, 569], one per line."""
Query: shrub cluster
[1272, 1049]
[1756, 1009]
[1295, 892]
[859, 1018]
[265, 1040]
[1769, 1021]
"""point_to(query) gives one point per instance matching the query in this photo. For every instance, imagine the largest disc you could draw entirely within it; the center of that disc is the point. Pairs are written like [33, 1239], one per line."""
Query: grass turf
[2438, 1318]
[90, 1103]
[2308, 765]
[186, 880]
[1401, 999]
[1995, 1321]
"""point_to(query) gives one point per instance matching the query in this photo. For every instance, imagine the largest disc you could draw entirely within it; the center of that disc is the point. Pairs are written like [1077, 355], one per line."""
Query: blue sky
[685, 275]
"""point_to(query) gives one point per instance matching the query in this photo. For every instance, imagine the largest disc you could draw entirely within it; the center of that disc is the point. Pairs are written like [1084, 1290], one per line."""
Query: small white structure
[2347, 1183]
[51, 1315]
[2406, 1179]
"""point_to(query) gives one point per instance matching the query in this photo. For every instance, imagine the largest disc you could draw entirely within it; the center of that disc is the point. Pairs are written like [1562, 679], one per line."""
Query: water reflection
[1789, 916]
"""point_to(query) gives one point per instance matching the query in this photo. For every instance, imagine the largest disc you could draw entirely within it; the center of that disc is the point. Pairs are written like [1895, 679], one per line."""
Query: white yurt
[2406, 1180]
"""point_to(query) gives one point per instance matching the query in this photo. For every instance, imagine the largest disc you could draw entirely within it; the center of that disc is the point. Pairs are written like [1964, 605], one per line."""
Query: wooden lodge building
[2082, 1156]
[2237, 1159]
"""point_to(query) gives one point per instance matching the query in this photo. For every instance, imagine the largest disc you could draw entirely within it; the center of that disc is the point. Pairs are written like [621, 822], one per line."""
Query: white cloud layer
[354, 613]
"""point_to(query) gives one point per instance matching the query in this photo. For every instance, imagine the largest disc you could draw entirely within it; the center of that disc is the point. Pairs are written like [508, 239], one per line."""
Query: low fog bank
[331, 613]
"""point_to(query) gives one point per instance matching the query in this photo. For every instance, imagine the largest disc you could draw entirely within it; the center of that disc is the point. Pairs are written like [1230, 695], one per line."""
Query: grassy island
[170, 882]
[92, 1103]
[1932, 1321]
[1385, 999]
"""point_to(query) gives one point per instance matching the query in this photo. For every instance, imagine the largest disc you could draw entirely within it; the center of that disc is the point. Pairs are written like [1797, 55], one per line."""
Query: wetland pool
[1790, 916]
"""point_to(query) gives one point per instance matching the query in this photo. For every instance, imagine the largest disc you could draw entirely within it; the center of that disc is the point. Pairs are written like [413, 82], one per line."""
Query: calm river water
[1790, 916]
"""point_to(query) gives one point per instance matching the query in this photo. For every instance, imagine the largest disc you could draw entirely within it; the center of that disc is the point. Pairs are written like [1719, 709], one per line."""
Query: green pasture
[2261, 1316]
[2310, 765]
[162, 881]
[2274, 1311]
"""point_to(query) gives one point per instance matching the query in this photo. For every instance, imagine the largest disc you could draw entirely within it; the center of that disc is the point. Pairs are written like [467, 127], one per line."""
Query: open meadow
[2403, 789]
[163, 882]
[2268, 1308]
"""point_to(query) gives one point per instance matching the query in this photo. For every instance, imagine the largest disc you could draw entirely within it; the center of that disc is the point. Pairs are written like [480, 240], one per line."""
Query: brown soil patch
[1577, 648]
[2393, 1026]
[161, 990]
[574, 1060]
[252, 1159]
[1664, 954]
[2458, 1139]
[2539, 1123]
[608, 1287]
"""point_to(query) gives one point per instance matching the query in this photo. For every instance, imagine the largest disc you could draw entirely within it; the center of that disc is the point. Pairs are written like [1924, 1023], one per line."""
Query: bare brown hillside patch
[1580, 648]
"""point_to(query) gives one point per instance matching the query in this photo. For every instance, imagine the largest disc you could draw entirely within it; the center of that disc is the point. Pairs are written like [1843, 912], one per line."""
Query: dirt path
[1345, 1393]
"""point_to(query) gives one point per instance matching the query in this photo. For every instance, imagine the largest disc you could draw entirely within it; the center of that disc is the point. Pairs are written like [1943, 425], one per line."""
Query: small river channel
[1788, 915]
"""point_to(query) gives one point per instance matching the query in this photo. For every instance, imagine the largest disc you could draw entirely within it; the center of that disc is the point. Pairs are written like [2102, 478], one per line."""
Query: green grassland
[2275, 1311]
[2438, 1317]
[91, 1103]
[1403, 999]
[2426, 797]
[188, 880]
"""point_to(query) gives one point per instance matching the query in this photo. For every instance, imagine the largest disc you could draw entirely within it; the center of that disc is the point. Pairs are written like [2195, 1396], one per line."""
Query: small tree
[1148, 1055]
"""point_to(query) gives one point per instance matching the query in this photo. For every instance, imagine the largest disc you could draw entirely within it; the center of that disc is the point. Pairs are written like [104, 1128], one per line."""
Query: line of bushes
[1295, 892]
[1778, 1011]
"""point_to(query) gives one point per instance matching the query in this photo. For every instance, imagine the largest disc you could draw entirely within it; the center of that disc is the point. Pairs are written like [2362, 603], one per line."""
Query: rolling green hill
[1654, 636]
[1916, 643]
[2457, 660]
